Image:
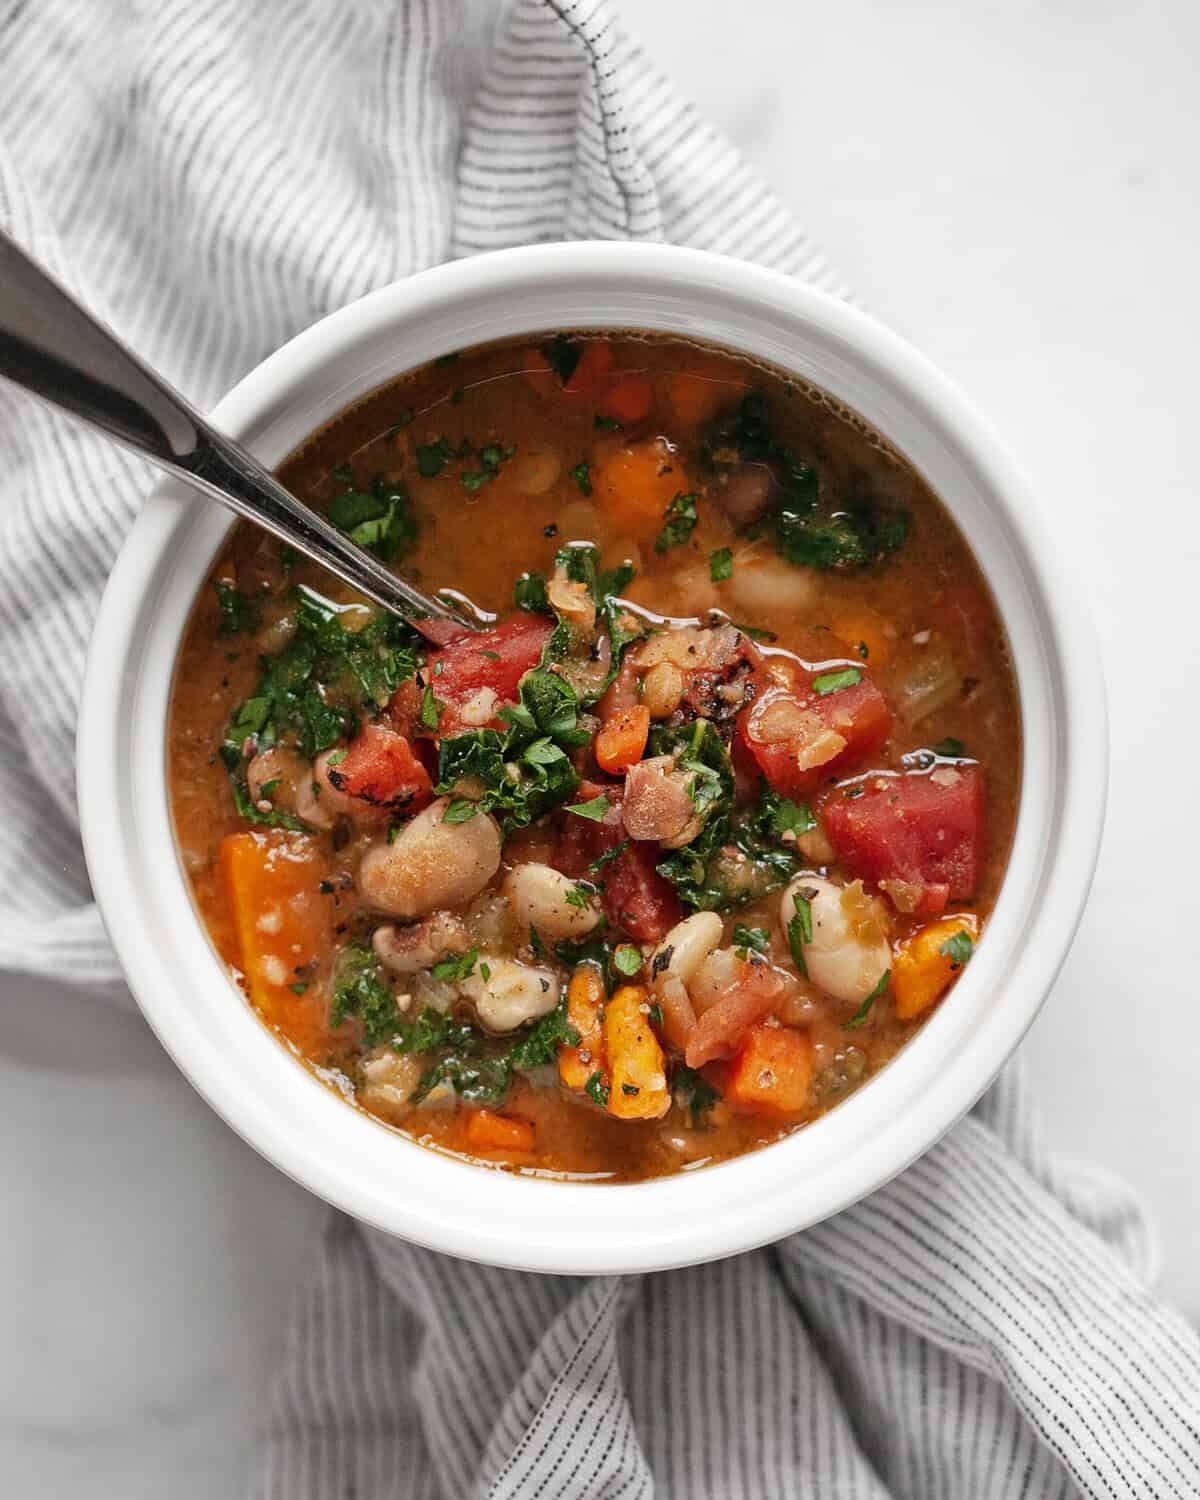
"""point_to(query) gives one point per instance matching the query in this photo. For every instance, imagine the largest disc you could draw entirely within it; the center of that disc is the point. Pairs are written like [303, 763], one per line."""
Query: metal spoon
[55, 348]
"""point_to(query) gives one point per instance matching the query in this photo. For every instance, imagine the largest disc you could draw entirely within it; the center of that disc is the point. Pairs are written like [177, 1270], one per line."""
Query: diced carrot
[637, 483]
[861, 626]
[629, 401]
[638, 1090]
[922, 973]
[283, 925]
[621, 740]
[697, 395]
[771, 1072]
[487, 1131]
[585, 1011]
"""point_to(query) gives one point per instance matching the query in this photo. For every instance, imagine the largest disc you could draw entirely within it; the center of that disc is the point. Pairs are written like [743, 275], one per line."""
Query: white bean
[556, 905]
[849, 951]
[431, 864]
[407, 950]
[389, 1081]
[686, 946]
[761, 585]
[510, 993]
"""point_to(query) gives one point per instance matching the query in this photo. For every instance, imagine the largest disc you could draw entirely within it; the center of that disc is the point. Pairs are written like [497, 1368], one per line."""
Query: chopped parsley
[529, 593]
[606, 424]
[562, 354]
[627, 960]
[958, 949]
[864, 1010]
[379, 518]
[951, 748]
[800, 928]
[455, 967]
[695, 1091]
[595, 809]
[431, 709]
[679, 521]
[359, 989]
[238, 611]
[831, 682]
[582, 476]
[597, 1090]
[460, 810]
[539, 1047]
[720, 564]
[609, 855]
[747, 940]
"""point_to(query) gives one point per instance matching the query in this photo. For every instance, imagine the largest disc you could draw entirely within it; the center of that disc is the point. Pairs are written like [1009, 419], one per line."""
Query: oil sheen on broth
[746, 677]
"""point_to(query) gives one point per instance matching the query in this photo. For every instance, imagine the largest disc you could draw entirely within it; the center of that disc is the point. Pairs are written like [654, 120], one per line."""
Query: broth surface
[475, 472]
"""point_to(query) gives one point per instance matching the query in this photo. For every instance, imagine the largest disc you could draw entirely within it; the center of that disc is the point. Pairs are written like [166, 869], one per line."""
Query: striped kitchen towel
[212, 176]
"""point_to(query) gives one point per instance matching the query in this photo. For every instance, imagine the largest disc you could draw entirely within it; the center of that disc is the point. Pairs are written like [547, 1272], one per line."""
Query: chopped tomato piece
[636, 897]
[926, 828]
[799, 736]
[753, 995]
[472, 677]
[381, 768]
[621, 740]
[629, 401]
[772, 1071]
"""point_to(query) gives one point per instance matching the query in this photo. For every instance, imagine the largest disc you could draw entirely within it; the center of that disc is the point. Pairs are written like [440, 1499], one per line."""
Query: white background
[1013, 187]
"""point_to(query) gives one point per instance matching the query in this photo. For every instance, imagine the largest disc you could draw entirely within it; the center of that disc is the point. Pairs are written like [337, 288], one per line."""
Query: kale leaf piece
[380, 518]
[863, 531]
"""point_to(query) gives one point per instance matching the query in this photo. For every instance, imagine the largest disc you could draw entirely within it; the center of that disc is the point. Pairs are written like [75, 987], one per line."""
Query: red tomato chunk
[925, 828]
[472, 675]
[381, 768]
[636, 897]
[799, 737]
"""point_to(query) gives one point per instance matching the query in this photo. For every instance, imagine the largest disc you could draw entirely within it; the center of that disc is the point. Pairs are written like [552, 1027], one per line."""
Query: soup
[674, 855]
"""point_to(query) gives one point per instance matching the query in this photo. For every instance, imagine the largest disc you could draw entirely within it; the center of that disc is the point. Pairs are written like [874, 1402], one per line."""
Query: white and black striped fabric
[212, 176]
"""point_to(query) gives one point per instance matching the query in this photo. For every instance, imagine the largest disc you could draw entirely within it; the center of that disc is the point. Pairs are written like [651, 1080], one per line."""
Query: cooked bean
[406, 950]
[662, 689]
[431, 864]
[686, 946]
[557, 906]
[849, 951]
[389, 1081]
[511, 994]
[746, 493]
[761, 584]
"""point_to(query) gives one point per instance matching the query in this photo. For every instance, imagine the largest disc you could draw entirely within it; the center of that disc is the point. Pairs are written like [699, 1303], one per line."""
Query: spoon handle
[55, 348]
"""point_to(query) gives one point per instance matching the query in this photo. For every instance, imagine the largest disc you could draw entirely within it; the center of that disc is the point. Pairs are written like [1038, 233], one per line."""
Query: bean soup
[674, 855]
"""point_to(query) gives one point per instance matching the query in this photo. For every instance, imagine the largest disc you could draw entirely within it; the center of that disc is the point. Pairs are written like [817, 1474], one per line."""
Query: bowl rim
[379, 1175]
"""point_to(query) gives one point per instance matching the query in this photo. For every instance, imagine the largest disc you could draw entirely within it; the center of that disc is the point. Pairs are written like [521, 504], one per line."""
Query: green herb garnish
[679, 521]
[860, 1015]
[830, 682]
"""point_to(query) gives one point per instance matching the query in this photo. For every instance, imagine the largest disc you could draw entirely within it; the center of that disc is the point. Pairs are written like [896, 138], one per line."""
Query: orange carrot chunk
[490, 1132]
[771, 1072]
[637, 483]
[929, 962]
[638, 1090]
[585, 1011]
[629, 401]
[622, 739]
[283, 926]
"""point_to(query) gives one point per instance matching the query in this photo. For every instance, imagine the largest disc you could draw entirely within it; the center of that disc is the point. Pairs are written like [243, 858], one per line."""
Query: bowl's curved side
[383, 1177]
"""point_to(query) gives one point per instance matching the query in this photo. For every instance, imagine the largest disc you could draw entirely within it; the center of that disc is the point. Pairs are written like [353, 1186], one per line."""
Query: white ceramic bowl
[377, 1174]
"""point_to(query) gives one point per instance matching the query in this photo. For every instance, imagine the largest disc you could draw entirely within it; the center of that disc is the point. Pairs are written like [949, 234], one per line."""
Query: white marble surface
[1011, 186]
